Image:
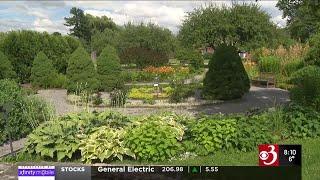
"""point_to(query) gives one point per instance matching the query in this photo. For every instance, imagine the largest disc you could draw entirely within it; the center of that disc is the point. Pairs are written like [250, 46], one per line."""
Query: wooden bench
[264, 78]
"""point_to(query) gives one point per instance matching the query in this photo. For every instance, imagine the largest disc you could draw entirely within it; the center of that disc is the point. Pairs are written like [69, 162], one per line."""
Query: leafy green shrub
[313, 55]
[306, 90]
[81, 70]
[60, 81]
[24, 113]
[156, 138]
[137, 76]
[302, 121]
[226, 78]
[269, 64]
[113, 120]
[292, 66]
[109, 69]
[190, 56]
[6, 69]
[182, 91]
[96, 99]
[250, 132]
[143, 57]
[43, 73]
[211, 135]
[149, 101]
[104, 144]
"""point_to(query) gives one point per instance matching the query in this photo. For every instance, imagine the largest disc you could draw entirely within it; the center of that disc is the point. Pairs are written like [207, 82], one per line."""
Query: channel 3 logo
[268, 155]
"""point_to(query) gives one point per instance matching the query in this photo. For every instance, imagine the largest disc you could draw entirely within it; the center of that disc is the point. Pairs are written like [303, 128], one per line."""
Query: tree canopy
[303, 17]
[245, 26]
[148, 36]
[21, 47]
[79, 24]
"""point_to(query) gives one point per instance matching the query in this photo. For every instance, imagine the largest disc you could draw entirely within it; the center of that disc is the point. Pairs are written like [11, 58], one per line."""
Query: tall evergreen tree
[6, 69]
[109, 69]
[79, 23]
[81, 73]
[43, 74]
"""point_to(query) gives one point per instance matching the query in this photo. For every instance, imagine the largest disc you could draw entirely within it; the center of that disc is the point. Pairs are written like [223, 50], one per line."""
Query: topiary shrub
[143, 57]
[43, 74]
[6, 69]
[226, 79]
[306, 90]
[109, 69]
[81, 70]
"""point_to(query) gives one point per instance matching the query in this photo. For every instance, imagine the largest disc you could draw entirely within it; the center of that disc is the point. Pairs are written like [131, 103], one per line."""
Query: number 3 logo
[266, 153]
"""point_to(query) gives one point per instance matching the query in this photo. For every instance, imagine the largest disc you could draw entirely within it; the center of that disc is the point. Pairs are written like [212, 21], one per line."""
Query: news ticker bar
[157, 172]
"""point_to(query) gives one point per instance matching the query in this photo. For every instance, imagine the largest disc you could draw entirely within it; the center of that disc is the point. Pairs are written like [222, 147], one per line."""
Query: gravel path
[256, 98]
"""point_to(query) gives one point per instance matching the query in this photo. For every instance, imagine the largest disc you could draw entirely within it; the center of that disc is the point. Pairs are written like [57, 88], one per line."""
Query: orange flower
[159, 70]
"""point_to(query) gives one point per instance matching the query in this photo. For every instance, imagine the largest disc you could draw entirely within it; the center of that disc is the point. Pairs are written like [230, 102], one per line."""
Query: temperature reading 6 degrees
[290, 155]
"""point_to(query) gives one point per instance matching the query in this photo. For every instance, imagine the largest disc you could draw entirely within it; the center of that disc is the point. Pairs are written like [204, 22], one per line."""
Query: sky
[49, 15]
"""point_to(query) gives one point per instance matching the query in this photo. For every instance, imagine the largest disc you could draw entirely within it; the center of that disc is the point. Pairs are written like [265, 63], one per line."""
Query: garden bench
[265, 78]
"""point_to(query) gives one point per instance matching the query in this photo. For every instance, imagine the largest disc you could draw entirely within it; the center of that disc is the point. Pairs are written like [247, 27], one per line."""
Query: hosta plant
[155, 138]
[104, 144]
[211, 135]
[55, 139]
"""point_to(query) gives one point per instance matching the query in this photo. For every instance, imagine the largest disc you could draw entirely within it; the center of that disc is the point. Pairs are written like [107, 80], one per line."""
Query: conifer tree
[43, 74]
[81, 73]
[226, 79]
[6, 69]
[109, 69]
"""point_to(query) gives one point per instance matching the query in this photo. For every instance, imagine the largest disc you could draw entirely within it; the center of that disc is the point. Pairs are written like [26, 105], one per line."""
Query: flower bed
[147, 93]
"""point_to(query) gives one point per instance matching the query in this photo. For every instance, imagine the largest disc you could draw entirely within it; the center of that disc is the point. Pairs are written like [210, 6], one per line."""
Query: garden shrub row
[107, 136]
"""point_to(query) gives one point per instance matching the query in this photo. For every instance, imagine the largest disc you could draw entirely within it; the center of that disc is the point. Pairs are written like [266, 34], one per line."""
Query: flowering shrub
[159, 70]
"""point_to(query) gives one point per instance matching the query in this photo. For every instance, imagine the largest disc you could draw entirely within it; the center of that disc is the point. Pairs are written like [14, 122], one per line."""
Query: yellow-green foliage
[149, 93]
[104, 144]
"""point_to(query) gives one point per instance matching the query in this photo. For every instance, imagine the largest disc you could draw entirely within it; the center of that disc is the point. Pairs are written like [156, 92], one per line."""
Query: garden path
[256, 98]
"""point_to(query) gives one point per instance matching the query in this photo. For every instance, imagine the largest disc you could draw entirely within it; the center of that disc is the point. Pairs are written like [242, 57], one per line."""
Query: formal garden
[145, 67]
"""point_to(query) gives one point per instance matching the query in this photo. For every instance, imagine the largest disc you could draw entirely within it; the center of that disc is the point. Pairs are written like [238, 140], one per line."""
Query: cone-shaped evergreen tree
[6, 69]
[81, 73]
[43, 73]
[109, 69]
[226, 79]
